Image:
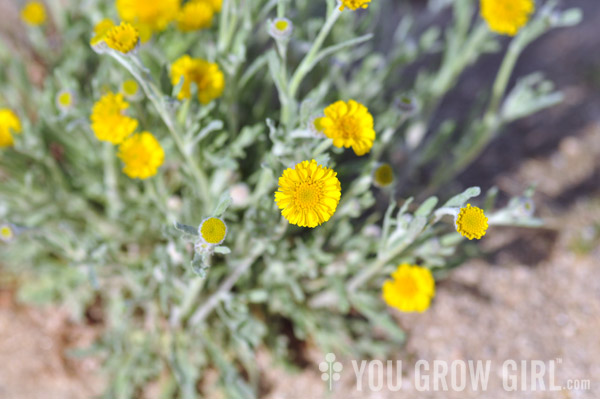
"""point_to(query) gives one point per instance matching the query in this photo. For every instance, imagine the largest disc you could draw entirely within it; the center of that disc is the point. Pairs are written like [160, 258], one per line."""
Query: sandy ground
[536, 296]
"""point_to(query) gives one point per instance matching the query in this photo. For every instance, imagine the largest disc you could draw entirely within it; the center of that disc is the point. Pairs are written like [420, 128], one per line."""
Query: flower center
[130, 87]
[348, 126]
[65, 99]
[406, 286]
[307, 195]
[213, 230]
[6, 232]
[384, 175]
[281, 25]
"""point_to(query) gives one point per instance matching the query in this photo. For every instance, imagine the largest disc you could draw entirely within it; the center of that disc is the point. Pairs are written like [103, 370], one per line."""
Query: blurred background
[534, 295]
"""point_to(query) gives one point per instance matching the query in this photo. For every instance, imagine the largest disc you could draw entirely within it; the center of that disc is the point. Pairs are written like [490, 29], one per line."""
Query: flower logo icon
[330, 369]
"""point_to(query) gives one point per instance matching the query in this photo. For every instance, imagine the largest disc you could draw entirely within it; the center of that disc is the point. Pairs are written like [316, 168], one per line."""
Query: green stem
[113, 199]
[211, 303]
[306, 63]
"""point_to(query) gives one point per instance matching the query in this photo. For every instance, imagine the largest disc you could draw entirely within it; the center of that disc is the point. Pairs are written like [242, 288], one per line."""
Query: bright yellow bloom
[215, 4]
[195, 15]
[108, 120]
[308, 194]
[148, 16]
[142, 155]
[383, 175]
[354, 4]
[9, 122]
[207, 76]
[349, 125]
[506, 17]
[101, 29]
[411, 289]
[6, 233]
[34, 13]
[471, 222]
[122, 38]
[213, 231]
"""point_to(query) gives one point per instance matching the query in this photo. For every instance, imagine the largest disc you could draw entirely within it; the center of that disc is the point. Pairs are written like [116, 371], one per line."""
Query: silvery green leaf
[570, 17]
[223, 204]
[426, 207]
[404, 207]
[365, 304]
[461, 199]
[222, 250]
[186, 229]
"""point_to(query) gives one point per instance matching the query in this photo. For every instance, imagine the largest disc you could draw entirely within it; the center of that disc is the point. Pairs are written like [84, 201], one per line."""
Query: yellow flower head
[471, 222]
[6, 233]
[281, 28]
[9, 123]
[148, 16]
[123, 38]
[213, 231]
[207, 76]
[215, 4]
[34, 13]
[354, 4]
[65, 100]
[195, 15]
[383, 175]
[308, 194]
[349, 125]
[142, 155]
[506, 17]
[411, 289]
[130, 89]
[108, 120]
[100, 30]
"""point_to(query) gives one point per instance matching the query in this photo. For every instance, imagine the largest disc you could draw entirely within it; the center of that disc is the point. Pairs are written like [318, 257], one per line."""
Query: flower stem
[113, 199]
[307, 62]
[209, 305]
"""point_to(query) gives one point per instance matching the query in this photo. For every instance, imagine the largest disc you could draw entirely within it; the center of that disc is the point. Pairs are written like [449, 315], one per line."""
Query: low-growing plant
[228, 177]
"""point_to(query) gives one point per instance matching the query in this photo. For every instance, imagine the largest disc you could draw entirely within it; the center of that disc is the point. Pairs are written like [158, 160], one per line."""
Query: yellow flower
[9, 122]
[383, 175]
[354, 4]
[308, 194]
[281, 28]
[100, 30]
[142, 155]
[207, 76]
[122, 38]
[6, 233]
[130, 88]
[471, 222]
[108, 121]
[148, 16]
[215, 4]
[34, 13]
[64, 100]
[506, 17]
[213, 231]
[195, 15]
[411, 289]
[349, 125]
